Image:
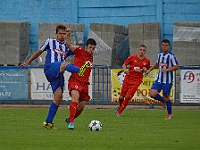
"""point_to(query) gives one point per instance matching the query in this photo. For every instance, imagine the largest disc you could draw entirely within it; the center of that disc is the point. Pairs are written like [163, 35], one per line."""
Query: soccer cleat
[71, 126]
[48, 125]
[84, 68]
[117, 114]
[67, 120]
[168, 117]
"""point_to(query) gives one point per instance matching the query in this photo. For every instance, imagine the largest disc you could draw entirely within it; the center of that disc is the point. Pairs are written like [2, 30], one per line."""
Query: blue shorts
[53, 75]
[165, 87]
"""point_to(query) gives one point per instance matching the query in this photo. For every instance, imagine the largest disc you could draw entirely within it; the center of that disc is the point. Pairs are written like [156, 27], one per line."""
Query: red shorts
[81, 87]
[128, 90]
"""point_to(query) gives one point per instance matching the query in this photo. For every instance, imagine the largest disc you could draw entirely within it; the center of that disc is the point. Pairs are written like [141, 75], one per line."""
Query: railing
[101, 82]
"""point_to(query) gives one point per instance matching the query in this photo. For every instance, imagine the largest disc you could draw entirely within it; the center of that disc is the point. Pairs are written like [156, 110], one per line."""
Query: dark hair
[60, 27]
[91, 41]
[166, 41]
[143, 46]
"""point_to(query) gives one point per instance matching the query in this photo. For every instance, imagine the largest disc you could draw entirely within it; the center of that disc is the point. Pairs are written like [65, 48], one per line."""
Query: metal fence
[101, 82]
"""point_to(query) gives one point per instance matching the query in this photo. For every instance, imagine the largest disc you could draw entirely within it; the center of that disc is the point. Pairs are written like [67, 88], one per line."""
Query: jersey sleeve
[174, 60]
[157, 61]
[45, 45]
[78, 50]
[128, 60]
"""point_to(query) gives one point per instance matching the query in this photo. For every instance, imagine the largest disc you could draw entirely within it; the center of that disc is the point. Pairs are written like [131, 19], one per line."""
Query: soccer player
[138, 65]
[78, 85]
[167, 63]
[54, 67]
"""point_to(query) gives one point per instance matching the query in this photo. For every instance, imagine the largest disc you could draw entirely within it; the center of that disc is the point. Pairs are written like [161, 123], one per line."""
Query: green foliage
[21, 129]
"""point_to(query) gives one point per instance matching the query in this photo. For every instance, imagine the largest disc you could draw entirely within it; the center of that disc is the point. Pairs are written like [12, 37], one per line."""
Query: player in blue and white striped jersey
[167, 63]
[54, 67]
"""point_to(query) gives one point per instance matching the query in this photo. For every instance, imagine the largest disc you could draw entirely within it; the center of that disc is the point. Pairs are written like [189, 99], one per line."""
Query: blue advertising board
[13, 84]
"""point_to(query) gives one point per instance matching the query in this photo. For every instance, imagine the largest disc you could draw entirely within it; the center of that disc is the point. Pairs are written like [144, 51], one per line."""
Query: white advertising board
[41, 88]
[189, 86]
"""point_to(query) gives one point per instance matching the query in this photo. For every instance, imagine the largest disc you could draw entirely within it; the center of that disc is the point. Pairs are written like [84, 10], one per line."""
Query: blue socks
[168, 103]
[72, 68]
[169, 107]
[158, 97]
[52, 112]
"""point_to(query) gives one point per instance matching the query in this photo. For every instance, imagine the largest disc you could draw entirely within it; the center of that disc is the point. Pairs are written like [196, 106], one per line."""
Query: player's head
[142, 50]
[165, 45]
[90, 46]
[61, 33]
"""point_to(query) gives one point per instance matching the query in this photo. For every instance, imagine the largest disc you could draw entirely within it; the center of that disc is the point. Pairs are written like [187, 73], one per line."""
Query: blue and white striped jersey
[56, 51]
[166, 61]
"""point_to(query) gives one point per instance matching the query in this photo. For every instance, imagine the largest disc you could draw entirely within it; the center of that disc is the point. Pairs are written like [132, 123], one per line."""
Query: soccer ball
[95, 125]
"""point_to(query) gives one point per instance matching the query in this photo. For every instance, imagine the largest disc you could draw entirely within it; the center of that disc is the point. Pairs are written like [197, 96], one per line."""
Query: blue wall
[122, 12]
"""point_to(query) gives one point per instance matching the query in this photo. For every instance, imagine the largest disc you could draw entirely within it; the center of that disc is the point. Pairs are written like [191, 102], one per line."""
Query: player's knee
[152, 93]
[127, 98]
[121, 97]
[63, 66]
[166, 98]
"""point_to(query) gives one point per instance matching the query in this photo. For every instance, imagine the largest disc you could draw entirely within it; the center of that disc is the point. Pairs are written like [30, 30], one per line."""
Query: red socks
[72, 111]
[120, 101]
[123, 105]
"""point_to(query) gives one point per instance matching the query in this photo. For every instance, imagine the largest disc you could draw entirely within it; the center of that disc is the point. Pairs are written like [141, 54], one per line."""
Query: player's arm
[125, 69]
[68, 40]
[176, 67]
[152, 68]
[33, 57]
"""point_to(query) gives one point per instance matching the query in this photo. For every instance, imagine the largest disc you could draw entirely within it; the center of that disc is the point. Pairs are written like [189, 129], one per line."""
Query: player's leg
[120, 100]
[166, 94]
[57, 84]
[123, 106]
[81, 107]
[124, 89]
[71, 68]
[154, 92]
[83, 98]
[53, 108]
[73, 107]
[130, 93]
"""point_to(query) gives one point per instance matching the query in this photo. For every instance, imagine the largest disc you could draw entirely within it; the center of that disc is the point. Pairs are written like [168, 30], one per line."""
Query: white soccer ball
[95, 125]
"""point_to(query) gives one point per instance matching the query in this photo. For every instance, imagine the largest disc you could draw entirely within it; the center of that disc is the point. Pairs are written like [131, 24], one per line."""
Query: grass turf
[21, 128]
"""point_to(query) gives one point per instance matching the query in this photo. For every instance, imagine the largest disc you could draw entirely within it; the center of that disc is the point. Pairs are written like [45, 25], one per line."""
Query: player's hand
[146, 72]
[68, 31]
[126, 71]
[144, 69]
[164, 70]
[24, 64]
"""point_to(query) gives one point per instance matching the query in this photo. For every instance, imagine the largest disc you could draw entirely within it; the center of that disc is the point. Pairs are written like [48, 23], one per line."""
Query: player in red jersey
[139, 64]
[78, 85]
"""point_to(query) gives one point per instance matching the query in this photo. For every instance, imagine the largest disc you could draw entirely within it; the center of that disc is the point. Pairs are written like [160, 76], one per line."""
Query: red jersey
[80, 58]
[136, 66]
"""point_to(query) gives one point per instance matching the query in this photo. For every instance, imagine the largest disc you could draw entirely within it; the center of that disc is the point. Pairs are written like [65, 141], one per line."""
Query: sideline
[105, 106]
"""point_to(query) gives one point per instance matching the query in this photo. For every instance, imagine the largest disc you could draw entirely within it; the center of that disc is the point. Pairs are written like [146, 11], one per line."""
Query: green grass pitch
[21, 129]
